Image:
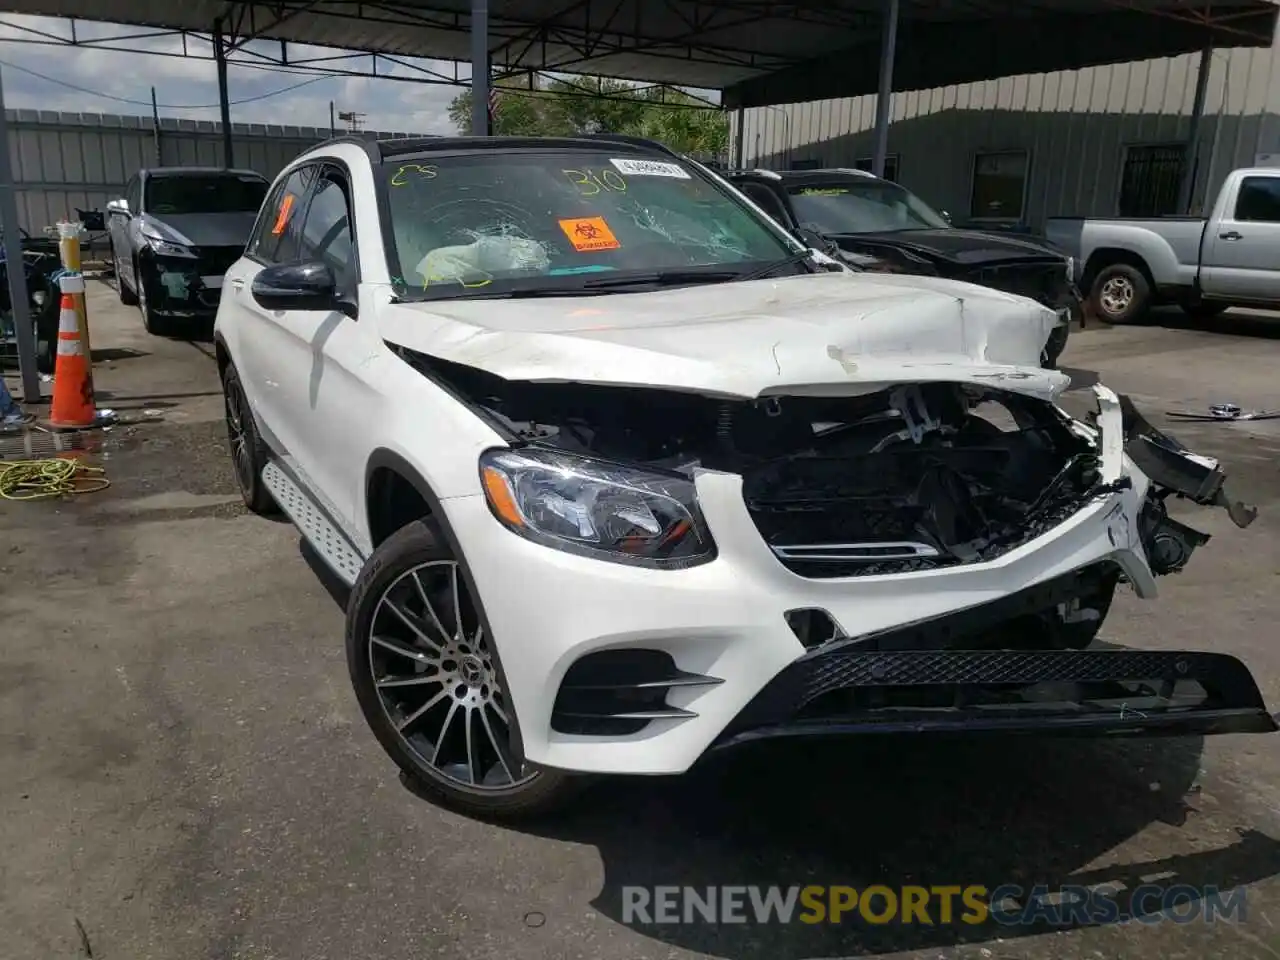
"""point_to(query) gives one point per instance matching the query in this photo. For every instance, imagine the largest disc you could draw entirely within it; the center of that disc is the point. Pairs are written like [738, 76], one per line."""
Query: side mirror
[120, 206]
[945, 216]
[306, 285]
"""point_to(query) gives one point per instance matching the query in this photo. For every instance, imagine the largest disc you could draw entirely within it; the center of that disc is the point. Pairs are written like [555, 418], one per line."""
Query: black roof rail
[364, 143]
[635, 142]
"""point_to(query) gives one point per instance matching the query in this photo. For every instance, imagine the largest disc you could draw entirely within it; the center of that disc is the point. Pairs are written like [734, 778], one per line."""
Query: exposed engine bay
[913, 477]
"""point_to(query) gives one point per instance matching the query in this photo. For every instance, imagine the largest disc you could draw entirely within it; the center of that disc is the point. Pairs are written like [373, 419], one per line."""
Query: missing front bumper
[1094, 692]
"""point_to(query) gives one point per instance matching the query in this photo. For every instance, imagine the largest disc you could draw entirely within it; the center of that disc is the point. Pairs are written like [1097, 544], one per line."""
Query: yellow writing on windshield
[589, 182]
[414, 171]
[823, 192]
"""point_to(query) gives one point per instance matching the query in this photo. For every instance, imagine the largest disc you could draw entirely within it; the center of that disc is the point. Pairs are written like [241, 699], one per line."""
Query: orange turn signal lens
[498, 492]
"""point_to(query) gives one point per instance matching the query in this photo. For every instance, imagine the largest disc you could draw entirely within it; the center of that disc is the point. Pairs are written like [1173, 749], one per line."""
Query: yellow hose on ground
[45, 479]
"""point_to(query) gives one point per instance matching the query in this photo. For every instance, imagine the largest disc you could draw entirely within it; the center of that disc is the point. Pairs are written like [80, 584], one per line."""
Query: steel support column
[1192, 157]
[740, 136]
[480, 68]
[18, 296]
[224, 101]
[884, 96]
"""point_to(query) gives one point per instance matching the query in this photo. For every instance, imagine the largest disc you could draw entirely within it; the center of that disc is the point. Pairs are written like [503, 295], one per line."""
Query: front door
[1241, 258]
[309, 361]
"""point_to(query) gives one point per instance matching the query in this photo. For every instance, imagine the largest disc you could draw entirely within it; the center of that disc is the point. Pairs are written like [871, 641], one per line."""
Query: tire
[1120, 294]
[1053, 348]
[248, 452]
[154, 324]
[127, 296]
[1204, 310]
[45, 326]
[1078, 636]
[423, 725]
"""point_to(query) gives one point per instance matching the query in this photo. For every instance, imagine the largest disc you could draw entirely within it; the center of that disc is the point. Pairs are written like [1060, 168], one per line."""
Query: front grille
[1044, 283]
[215, 261]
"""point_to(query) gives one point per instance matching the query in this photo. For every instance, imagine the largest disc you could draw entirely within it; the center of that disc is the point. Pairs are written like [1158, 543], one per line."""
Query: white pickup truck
[1204, 266]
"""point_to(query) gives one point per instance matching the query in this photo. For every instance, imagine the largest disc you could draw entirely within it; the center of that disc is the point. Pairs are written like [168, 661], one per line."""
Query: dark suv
[874, 224]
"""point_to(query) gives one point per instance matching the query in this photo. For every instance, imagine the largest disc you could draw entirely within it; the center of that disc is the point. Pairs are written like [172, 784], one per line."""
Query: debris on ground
[46, 479]
[1222, 412]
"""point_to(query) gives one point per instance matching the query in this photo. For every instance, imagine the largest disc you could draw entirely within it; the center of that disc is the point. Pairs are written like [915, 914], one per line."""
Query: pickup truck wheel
[248, 453]
[429, 686]
[1120, 293]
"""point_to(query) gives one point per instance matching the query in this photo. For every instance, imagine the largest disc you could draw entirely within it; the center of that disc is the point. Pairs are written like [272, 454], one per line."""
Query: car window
[495, 219]
[857, 205]
[326, 232]
[276, 237]
[1259, 200]
[179, 194]
[131, 194]
[767, 200]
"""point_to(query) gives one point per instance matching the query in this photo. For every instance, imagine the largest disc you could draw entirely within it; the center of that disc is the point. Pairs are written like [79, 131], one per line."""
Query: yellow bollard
[69, 250]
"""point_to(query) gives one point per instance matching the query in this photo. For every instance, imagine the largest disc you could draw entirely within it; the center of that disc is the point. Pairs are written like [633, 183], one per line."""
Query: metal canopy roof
[757, 52]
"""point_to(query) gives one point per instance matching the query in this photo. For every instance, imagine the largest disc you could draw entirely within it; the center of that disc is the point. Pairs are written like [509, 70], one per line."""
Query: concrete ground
[184, 772]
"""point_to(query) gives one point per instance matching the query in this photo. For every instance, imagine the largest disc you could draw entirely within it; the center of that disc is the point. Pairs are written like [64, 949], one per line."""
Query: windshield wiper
[769, 268]
[661, 278]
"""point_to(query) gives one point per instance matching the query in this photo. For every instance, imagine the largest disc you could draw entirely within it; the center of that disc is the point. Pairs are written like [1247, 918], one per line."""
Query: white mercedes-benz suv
[620, 473]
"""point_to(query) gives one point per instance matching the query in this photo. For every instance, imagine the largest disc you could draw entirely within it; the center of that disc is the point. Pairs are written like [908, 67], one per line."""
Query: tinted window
[1259, 200]
[277, 234]
[326, 234]
[131, 194]
[216, 193]
[495, 219]
[858, 205]
[767, 200]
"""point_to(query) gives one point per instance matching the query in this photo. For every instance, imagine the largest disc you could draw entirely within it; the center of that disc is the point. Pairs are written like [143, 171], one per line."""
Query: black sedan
[874, 224]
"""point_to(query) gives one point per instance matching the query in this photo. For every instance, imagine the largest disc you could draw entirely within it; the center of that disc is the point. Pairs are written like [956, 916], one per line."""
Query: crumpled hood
[825, 334]
[967, 247]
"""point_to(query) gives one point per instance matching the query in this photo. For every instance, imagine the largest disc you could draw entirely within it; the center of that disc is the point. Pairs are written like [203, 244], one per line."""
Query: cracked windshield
[561, 220]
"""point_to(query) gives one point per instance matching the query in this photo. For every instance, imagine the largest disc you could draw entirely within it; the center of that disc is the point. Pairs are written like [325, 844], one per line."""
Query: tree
[566, 107]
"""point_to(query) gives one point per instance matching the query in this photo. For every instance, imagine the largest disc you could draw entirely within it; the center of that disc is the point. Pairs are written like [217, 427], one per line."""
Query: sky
[113, 81]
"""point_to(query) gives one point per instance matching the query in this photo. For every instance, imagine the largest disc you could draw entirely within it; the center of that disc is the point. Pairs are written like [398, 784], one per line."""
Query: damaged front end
[921, 478]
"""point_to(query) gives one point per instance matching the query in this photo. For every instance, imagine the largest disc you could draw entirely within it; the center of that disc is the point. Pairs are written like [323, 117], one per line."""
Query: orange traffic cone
[73, 403]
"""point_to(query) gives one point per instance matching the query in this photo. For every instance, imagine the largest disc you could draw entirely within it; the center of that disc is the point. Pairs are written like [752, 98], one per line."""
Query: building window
[813, 163]
[1151, 180]
[999, 185]
[890, 166]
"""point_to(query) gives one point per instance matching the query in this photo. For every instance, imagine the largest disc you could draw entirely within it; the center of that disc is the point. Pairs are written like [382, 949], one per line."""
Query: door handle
[1230, 235]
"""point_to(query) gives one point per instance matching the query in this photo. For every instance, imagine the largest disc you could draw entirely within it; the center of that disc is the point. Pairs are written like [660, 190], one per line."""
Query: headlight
[609, 511]
[167, 248]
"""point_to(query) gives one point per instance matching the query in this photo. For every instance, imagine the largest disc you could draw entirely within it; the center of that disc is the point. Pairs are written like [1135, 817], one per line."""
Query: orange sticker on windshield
[282, 217]
[589, 233]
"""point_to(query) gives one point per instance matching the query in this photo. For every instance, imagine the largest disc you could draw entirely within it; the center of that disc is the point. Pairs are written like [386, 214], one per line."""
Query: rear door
[1241, 259]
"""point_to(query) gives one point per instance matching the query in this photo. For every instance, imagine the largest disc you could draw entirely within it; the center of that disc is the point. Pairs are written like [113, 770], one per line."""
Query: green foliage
[566, 107]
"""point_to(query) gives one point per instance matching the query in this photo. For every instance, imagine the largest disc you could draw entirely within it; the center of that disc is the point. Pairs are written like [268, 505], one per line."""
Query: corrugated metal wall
[65, 161]
[1075, 126]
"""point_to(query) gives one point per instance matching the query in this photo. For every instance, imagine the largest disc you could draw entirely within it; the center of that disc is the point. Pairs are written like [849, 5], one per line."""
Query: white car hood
[824, 334]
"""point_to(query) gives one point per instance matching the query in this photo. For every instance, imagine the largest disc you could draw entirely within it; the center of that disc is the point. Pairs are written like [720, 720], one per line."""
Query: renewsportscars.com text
[973, 905]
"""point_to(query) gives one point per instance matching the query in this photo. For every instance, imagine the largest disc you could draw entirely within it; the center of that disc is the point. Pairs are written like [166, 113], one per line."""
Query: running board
[320, 532]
